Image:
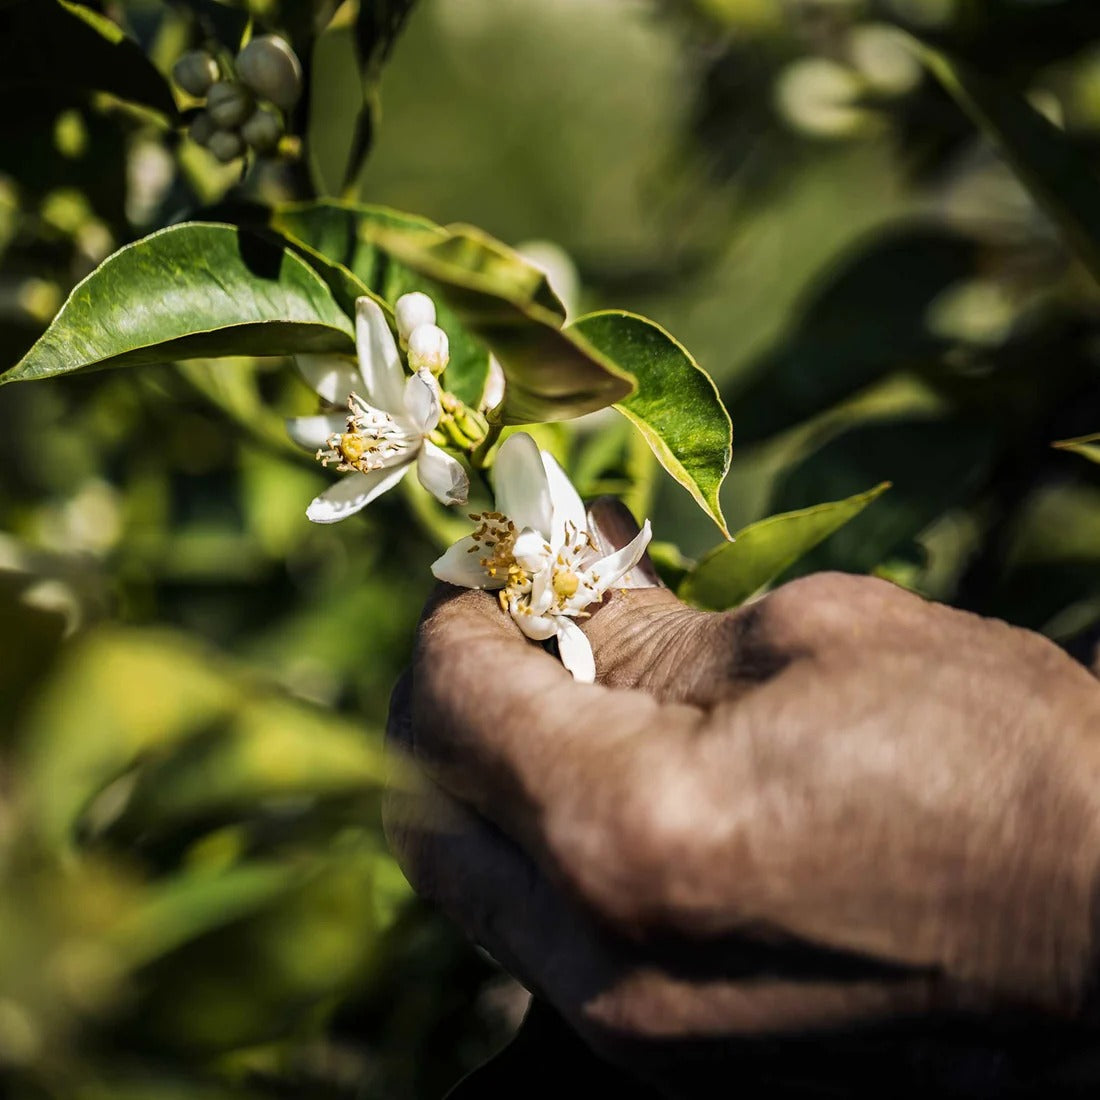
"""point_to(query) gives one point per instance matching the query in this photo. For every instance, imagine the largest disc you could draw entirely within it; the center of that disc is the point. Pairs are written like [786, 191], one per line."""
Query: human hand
[839, 805]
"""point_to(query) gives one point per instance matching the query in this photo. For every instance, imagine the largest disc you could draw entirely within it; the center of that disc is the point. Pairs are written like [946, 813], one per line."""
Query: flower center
[372, 440]
[566, 583]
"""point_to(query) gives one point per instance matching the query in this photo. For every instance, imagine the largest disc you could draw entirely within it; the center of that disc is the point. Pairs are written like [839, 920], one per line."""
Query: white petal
[493, 393]
[576, 653]
[441, 474]
[522, 491]
[542, 590]
[334, 379]
[313, 432]
[421, 401]
[531, 550]
[352, 493]
[567, 504]
[379, 361]
[537, 627]
[461, 565]
[614, 566]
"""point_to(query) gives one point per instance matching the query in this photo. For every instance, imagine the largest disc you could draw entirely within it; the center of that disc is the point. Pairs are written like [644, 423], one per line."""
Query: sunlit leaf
[196, 289]
[506, 302]
[61, 44]
[1057, 175]
[676, 406]
[1087, 446]
[189, 905]
[732, 572]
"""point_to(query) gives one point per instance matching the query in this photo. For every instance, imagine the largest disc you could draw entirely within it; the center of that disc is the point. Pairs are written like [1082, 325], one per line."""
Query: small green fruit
[229, 104]
[202, 128]
[263, 130]
[226, 145]
[195, 72]
[271, 69]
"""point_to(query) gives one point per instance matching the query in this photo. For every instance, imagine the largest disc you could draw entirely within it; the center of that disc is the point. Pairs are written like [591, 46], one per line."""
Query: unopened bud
[411, 311]
[428, 349]
[195, 72]
[226, 145]
[272, 70]
[263, 130]
[229, 104]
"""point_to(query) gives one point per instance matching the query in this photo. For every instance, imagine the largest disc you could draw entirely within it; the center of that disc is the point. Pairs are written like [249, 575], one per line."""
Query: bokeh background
[195, 896]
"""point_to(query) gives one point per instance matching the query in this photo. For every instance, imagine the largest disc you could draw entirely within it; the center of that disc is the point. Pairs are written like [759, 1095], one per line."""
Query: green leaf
[676, 406]
[1087, 446]
[339, 234]
[734, 571]
[1059, 178]
[506, 302]
[196, 289]
[188, 906]
[58, 44]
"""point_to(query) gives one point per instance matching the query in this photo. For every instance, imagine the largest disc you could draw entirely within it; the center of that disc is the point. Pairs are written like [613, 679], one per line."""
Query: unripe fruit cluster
[243, 109]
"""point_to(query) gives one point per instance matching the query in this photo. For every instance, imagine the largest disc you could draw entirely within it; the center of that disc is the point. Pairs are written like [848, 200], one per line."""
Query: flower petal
[421, 401]
[332, 377]
[522, 491]
[313, 432]
[379, 361]
[441, 474]
[613, 567]
[568, 508]
[461, 565]
[531, 550]
[352, 493]
[537, 627]
[576, 653]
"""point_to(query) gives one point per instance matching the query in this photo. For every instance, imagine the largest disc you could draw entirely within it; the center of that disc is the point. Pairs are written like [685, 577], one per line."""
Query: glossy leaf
[733, 572]
[196, 289]
[1059, 178]
[58, 44]
[676, 406]
[506, 302]
[1087, 446]
[339, 234]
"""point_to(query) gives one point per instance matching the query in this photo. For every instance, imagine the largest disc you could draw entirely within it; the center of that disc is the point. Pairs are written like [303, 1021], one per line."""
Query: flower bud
[202, 128]
[229, 104]
[226, 145]
[271, 69]
[411, 311]
[195, 72]
[428, 349]
[263, 130]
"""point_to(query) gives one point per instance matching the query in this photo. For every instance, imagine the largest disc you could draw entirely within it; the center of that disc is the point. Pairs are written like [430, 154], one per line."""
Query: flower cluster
[388, 417]
[535, 549]
[536, 552]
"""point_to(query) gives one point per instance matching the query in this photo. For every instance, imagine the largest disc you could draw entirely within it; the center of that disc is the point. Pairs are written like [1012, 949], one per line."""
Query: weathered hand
[837, 806]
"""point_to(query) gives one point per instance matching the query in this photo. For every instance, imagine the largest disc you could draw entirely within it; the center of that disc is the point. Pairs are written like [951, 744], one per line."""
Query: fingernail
[612, 526]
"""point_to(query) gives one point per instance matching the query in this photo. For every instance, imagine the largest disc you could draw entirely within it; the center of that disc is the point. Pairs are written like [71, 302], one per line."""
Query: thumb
[644, 637]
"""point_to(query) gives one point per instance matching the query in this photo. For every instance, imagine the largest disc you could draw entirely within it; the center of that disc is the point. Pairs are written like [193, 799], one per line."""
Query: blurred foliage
[196, 899]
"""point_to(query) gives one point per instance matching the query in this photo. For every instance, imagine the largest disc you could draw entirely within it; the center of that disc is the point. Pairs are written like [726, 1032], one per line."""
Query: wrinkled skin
[838, 809]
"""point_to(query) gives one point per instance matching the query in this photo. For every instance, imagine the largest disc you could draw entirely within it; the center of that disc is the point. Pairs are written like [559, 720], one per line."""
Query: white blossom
[384, 431]
[535, 551]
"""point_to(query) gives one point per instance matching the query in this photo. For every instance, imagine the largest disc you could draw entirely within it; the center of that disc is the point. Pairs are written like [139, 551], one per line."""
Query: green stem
[481, 452]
